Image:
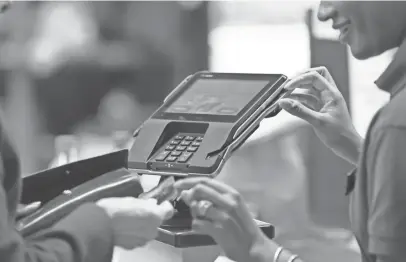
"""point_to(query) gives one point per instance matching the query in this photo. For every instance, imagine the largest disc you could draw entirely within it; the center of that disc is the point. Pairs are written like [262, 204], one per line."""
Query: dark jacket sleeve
[85, 235]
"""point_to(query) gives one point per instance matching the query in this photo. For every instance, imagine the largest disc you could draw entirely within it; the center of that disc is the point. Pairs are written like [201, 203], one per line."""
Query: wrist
[348, 145]
[102, 204]
[355, 142]
[263, 250]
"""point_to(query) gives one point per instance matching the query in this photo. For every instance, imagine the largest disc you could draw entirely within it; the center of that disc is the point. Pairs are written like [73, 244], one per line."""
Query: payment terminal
[206, 118]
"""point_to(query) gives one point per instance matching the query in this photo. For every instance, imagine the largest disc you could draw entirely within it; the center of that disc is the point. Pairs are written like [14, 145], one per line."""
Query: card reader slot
[240, 143]
[272, 109]
[275, 96]
[257, 113]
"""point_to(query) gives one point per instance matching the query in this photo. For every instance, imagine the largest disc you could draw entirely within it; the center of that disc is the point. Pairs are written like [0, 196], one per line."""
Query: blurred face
[368, 27]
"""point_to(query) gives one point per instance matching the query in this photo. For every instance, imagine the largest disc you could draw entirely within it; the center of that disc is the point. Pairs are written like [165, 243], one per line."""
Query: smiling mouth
[344, 30]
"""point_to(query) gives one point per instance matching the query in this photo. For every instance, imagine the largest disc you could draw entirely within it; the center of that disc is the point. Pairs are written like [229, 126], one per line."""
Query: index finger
[188, 183]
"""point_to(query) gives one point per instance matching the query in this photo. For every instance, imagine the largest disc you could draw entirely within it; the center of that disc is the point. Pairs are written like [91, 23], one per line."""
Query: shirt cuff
[350, 181]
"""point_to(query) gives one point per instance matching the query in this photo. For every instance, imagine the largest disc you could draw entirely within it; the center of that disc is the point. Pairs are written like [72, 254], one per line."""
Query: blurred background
[78, 77]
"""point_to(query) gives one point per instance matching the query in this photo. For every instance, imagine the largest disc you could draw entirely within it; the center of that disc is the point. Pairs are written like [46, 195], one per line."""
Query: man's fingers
[33, 205]
[297, 109]
[24, 210]
[165, 210]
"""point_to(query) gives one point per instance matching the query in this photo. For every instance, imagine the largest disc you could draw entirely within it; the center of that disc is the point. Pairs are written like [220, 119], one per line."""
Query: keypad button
[189, 138]
[199, 139]
[179, 137]
[175, 142]
[196, 144]
[176, 153]
[184, 157]
[171, 159]
[162, 156]
[192, 149]
[185, 143]
[180, 148]
[170, 148]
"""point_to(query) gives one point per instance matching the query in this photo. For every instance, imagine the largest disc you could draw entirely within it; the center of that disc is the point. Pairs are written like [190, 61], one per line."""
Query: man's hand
[25, 210]
[321, 104]
[135, 221]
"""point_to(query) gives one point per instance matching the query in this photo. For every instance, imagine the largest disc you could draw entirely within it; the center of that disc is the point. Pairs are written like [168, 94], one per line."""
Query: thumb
[25, 210]
[165, 210]
[298, 109]
[33, 205]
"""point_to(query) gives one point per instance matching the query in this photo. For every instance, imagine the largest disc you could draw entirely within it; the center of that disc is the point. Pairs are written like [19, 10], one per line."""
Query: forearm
[83, 236]
[349, 146]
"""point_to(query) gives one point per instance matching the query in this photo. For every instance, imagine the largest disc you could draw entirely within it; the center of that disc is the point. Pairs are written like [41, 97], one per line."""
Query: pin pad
[180, 148]
[204, 119]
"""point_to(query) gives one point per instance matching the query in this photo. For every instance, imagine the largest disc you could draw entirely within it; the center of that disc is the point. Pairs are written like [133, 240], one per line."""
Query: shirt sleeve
[387, 195]
[85, 235]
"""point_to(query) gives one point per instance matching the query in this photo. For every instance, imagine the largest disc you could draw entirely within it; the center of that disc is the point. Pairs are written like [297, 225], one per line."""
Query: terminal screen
[217, 96]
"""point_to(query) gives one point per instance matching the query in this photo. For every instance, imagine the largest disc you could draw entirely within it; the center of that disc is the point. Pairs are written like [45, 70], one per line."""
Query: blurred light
[117, 105]
[260, 48]
[64, 30]
[275, 11]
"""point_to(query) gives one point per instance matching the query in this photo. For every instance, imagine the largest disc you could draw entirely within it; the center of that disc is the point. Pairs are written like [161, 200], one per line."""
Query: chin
[362, 53]
[366, 50]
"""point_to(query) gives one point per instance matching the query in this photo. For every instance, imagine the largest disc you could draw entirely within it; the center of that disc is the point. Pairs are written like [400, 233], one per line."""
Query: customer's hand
[220, 212]
[135, 221]
[320, 103]
[25, 210]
